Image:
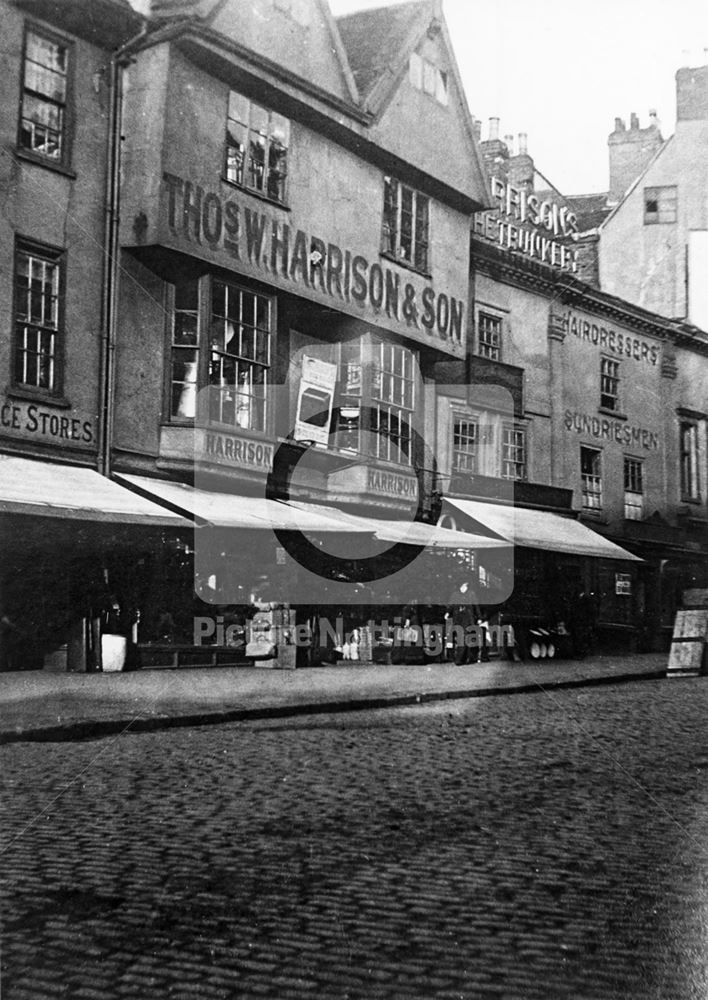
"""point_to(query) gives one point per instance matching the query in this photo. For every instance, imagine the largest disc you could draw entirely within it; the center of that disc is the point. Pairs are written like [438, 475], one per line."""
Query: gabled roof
[637, 181]
[374, 39]
[378, 45]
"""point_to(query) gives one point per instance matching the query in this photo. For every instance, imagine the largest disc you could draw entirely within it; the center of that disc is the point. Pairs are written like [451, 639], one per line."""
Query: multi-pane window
[489, 336]
[185, 351]
[591, 476]
[425, 76]
[690, 486]
[348, 414]
[392, 403]
[257, 143]
[37, 318]
[239, 356]
[660, 204]
[609, 384]
[513, 456]
[633, 489]
[235, 362]
[44, 97]
[465, 441]
[406, 224]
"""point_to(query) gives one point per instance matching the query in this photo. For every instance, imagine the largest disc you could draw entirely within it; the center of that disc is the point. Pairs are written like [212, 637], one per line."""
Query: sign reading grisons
[537, 228]
[272, 246]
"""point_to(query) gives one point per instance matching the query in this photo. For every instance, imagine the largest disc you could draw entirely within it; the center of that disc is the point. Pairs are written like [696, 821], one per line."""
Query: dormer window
[425, 75]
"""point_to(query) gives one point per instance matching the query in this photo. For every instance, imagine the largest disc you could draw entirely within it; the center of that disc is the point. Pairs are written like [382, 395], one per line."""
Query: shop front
[76, 546]
[573, 589]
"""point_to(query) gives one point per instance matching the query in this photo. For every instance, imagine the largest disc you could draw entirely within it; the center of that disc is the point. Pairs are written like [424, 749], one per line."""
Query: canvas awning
[230, 510]
[538, 529]
[33, 486]
[408, 532]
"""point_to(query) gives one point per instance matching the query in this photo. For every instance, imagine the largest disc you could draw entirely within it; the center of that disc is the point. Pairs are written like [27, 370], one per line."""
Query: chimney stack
[692, 94]
[523, 143]
[630, 152]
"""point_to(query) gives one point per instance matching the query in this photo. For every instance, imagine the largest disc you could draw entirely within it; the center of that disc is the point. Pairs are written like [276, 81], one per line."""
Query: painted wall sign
[289, 254]
[611, 430]
[524, 222]
[622, 344]
[369, 481]
[38, 421]
[391, 484]
[237, 451]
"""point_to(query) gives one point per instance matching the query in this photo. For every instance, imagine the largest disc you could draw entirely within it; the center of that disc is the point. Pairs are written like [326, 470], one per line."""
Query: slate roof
[590, 209]
[373, 39]
[181, 8]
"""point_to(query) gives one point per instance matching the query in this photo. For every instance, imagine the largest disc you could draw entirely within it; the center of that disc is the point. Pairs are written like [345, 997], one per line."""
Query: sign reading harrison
[269, 244]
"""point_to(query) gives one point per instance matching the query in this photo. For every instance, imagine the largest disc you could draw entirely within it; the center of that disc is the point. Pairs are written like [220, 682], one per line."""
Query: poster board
[688, 645]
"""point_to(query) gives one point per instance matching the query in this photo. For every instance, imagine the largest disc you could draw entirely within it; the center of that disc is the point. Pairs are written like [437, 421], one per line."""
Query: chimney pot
[493, 129]
[619, 125]
[509, 141]
[523, 142]
[633, 121]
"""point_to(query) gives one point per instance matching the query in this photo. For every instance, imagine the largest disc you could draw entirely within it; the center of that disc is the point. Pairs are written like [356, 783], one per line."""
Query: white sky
[562, 70]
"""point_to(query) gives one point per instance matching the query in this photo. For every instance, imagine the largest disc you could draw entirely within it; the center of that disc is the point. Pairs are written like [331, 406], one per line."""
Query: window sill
[404, 263]
[43, 161]
[27, 394]
[696, 501]
[256, 194]
[612, 413]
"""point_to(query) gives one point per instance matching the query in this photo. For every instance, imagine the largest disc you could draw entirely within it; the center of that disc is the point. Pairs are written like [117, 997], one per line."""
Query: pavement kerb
[89, 729]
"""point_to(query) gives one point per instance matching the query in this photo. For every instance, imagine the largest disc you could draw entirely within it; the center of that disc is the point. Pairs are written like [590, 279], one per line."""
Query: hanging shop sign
[285, 254]
[611, 430]
[36, 421]
[315, 398]
[624, 345]
[532, 226]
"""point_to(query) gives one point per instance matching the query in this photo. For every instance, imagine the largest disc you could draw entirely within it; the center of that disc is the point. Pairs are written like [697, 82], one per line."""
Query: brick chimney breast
[692, 94]
[630, 152]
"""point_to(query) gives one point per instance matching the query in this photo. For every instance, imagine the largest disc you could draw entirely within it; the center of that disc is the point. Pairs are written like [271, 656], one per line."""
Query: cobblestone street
[533, 846]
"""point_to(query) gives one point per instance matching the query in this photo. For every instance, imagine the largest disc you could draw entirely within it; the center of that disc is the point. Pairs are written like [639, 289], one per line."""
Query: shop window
[609, 384]
[465, 442]
[513, 456]
[348, 421]
[633, 489]
[38, 280]
[426, 76]
[235, 362]
[43, 113]
[591, 477]
[257, 142]
[660, 204]
[185, 351]
[393, 401]
[489, 336]
[690, 486]
[405, 233]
